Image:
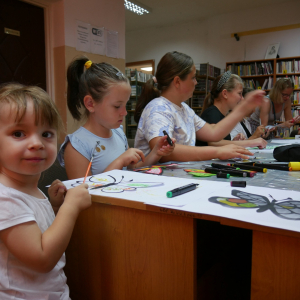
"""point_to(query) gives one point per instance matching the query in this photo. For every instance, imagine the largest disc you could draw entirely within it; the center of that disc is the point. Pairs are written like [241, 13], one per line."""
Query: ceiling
[168, 12]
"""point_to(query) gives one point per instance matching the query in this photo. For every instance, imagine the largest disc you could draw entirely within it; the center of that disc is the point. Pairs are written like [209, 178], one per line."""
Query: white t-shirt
[239, 129]
[16, 280]
[161, 114]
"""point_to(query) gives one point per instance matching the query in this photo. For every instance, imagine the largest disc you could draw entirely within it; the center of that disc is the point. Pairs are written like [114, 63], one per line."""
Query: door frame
[48, 44]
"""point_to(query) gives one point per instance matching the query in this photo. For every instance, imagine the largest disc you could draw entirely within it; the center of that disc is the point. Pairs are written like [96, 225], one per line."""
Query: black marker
[170, 142]
[182, 190]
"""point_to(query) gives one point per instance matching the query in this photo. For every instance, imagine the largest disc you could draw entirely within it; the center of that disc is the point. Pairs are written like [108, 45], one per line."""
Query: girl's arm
[264, 112]
[75, 163]
[193, 153]
[41, 251]
[218, 131]
[258, 142]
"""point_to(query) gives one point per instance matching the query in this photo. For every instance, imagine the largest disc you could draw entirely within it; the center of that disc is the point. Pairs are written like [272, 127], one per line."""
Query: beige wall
[60, 21]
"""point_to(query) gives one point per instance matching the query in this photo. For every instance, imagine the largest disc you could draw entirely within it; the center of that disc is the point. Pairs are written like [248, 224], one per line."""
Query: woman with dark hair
[161, 107]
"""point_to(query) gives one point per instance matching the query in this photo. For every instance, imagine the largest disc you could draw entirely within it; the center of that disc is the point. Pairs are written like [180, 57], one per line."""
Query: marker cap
[238, 183]
[223, 175]
[169, 194]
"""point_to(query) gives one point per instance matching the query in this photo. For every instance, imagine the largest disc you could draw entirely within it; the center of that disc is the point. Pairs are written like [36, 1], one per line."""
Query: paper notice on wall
[112, 47]
[83, 42]
[97, 40]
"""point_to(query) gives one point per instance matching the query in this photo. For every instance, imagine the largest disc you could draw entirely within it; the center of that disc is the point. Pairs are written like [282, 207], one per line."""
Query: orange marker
[90, 164]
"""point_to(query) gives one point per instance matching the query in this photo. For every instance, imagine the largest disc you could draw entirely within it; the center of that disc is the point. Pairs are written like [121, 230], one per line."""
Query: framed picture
[272, 51]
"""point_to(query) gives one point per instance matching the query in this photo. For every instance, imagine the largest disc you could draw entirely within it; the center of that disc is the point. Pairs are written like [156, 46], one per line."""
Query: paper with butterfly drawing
[258, 205]
[142, 187]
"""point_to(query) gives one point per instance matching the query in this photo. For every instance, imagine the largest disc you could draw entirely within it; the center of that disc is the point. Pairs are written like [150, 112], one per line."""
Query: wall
[210, 40]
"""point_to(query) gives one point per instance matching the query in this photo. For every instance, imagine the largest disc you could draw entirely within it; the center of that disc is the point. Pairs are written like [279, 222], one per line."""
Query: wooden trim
[266, 30]
[143, 62]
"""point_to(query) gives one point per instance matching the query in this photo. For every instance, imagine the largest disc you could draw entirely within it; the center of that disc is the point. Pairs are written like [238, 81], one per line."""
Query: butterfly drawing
[286, 209]
[110, 185]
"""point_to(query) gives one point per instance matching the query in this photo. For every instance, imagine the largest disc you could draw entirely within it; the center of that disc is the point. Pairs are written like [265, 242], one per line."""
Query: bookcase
[137, 80]
[205, 75]
[262, 74]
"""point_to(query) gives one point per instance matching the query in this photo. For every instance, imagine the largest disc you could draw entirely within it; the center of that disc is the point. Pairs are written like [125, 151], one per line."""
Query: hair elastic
[224, 78]
[88, 64]
[119, 74]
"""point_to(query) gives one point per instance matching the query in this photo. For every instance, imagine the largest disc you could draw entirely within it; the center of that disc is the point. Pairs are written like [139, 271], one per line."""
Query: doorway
[22, 43]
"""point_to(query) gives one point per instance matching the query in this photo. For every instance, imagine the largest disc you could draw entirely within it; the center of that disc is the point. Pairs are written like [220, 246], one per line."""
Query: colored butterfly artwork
[198, 173]
[152, 170]
[286, 209]
[110, 185]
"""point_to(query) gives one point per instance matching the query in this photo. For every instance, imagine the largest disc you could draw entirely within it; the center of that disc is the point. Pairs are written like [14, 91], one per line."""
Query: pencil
[90, 164]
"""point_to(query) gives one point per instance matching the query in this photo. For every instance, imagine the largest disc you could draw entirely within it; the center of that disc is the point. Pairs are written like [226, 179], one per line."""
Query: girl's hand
[162, 147]
[288, 124]
[239, 137]
[232, 151]
[259, 142]
[57, 192]
[78, 198]
[252, 100]
[131, 157]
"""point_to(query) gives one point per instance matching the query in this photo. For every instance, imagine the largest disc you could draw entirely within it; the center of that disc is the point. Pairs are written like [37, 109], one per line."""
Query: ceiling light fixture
[149, 69]
[136, 7]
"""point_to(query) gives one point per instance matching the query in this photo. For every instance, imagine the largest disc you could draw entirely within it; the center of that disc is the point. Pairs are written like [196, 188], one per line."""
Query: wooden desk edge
[177, 212]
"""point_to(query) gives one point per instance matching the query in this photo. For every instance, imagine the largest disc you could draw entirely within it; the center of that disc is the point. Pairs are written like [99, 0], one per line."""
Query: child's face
[235, 96]
[25, 149]
[110, 112]
[188, 85]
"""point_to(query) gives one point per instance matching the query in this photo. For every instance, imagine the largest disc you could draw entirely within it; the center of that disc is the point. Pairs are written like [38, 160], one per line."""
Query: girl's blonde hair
[18, 95]
[279, 86]
[229, 85]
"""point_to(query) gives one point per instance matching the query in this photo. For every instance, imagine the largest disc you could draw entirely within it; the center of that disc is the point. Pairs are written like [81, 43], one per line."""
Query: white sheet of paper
[112, 44]
[286, 141]
[83, 36]
[265, 218]
[151, 189]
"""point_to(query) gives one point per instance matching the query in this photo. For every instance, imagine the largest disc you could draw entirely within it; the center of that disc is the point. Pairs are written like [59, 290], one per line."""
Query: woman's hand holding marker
[163, 147]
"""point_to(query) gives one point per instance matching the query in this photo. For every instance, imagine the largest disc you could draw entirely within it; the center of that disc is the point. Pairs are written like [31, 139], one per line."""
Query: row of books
[136, 90]
[207, 69]
[201, 85]
[135, 75]
[296, 97]
[131, 104]
[198, 100]
[253, 69]
[292, 66]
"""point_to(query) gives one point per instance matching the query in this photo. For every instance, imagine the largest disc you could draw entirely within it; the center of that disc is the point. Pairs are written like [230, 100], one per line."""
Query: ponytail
[74, 73]
[149, 92]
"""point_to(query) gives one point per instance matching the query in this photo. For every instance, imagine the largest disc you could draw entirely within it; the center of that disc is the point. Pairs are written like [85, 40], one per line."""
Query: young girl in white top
[32, 239]
[161, 107]
[102, 91]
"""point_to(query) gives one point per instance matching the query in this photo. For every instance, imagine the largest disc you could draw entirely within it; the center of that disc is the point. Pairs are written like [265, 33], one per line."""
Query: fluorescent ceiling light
[147, 69]
[136, 8]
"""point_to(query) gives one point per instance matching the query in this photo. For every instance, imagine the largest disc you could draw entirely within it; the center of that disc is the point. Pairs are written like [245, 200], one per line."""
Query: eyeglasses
[285, 95]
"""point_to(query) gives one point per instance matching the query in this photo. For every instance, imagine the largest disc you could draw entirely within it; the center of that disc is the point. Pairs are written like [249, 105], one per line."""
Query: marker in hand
[170, 142]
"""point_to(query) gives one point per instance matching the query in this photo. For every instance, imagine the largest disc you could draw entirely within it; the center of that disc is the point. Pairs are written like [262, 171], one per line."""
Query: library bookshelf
[137, 79]
[205, 76]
